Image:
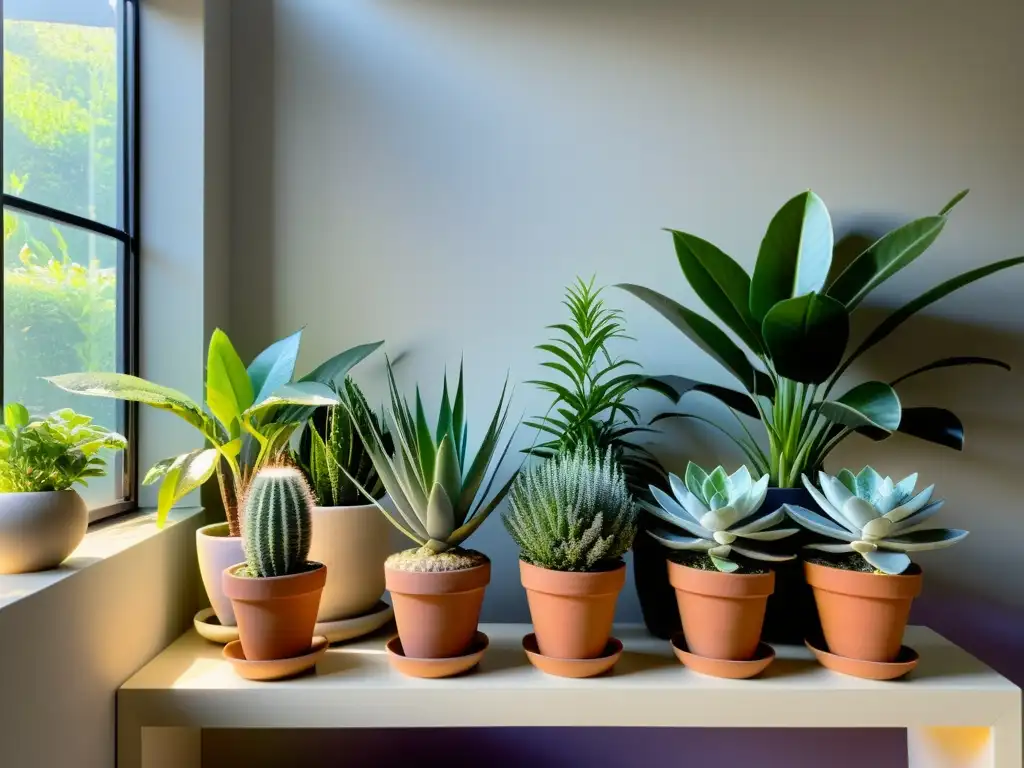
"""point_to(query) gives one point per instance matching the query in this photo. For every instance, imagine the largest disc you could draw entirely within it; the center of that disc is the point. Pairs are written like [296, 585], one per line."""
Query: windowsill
[104, 540]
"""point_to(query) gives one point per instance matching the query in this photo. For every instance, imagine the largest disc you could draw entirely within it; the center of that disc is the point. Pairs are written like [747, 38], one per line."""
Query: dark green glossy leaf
[873, 404]
[953, 203]
[720, 283]
[795, 254]
[884, 258]
[936, 425]
[674, 387]
[952, 362]
[806, 337]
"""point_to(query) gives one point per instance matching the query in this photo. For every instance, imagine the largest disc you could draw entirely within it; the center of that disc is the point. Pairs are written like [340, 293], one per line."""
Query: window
[69, 213]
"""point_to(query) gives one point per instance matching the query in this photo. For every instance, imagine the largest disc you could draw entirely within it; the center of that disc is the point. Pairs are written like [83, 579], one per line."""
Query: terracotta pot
[38, 530]
[722, 613]
[863, 615]
[572, 612]
[276, 615]
[353, 542]
[217, 550]
[437, 613]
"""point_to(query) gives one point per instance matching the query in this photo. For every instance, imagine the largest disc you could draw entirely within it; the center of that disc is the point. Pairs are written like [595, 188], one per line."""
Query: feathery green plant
[589, 406]
[433, 482]
[572, 512]
[330, 451]
[278, 523]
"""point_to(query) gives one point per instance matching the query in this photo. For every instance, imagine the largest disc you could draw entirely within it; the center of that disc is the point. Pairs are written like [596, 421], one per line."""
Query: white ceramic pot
[353, 542]
[216, 551]
[39, 530]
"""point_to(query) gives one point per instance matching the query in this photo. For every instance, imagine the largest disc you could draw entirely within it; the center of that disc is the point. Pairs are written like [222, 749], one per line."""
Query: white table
[958, 711]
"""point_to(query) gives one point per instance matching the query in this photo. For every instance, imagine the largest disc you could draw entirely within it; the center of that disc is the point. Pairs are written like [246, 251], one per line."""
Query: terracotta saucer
[434, 668]
[337, 631]
[573, 667]
[278, 669]
[906, 660]
[209, 627]
[348, 629]
[730, 668]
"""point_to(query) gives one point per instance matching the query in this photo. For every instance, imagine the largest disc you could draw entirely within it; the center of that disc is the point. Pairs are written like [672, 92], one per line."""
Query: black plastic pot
[791, 614]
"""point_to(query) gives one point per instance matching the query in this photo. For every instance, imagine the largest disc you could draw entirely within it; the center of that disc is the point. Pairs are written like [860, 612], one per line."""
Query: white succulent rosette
[874, 517]
[714, 510]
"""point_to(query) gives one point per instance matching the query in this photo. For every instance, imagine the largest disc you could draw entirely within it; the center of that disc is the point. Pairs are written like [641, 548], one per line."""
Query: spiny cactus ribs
[277, 522]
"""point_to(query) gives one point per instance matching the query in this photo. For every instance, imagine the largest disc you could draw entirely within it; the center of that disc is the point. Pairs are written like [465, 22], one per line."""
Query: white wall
[434, 172]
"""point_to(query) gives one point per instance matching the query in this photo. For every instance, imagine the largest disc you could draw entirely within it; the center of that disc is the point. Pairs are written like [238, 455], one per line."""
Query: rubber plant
[249, 415]
[794, 322]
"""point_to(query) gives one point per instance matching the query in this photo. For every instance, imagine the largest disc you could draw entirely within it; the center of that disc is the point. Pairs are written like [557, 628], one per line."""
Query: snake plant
[873, 516]
[433, 481]
[794, 320]
[714, 511]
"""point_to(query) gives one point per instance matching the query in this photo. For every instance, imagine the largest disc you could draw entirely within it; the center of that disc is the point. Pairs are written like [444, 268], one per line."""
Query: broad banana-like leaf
[806, 337]
[795, 254]
[228, 388]
[951, 362]
[305, 393]
[186, 473]
[873, 404]
[701, 331]
[274, 366]
[897, 318]
[720, 283]
[122, 386]
[884, 258]
[332, 373]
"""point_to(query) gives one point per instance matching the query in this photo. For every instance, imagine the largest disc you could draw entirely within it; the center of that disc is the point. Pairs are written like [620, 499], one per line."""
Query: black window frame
[126, 233]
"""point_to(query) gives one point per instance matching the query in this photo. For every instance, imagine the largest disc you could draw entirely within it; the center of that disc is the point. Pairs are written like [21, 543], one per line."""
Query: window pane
[61, 105]
[61, 315]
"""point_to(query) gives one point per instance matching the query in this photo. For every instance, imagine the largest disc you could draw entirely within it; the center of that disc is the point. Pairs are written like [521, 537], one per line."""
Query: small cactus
[277, 522]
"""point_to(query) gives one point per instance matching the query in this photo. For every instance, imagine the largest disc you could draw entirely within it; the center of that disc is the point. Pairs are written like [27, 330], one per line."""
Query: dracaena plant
[874, 519]
[249, 415]
[590, 392]
[433, 481]
[794, 322]
[51, 453]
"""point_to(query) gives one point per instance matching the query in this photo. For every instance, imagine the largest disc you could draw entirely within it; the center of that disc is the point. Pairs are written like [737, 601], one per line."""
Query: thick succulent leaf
[761, 523]
[897, 318]
[931, 538]
[721, 284]
[716, 482]
[835, 490]
[910, 507]
[425, 450]
[859, 512]
[795, 254]
[806, 337]
[754, 498]
[770, 535]
[448, 473]
[951, 362]
[122, 386]
[758, 554]
[675, 541]
[440, 515]
[884, 258]
[274, 366]
[701, 331]
[723, 564]
[892, 563]
[740, 482]
[872, 404]
[680, 521]
[914, 521]
[828, 546]
[692, 504]
[695, 477]
[812, 521]
[674, 387]
[848, 479]
[228, 388]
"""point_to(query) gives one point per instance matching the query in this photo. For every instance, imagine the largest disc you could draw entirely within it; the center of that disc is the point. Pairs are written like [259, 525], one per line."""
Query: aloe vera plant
[250, 414]
[433, 481]
[714, 511]
[795, 323]
[871, 515]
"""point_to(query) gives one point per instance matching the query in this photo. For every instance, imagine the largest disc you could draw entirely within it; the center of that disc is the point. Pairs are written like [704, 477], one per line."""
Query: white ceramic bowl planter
[38, 530]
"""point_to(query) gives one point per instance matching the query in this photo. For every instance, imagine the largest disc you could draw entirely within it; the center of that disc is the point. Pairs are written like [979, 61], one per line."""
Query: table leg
[159, 748]
[997, 746]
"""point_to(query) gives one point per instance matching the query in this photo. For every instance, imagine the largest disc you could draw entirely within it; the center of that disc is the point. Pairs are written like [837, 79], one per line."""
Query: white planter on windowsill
[216, 551]
[38, 530]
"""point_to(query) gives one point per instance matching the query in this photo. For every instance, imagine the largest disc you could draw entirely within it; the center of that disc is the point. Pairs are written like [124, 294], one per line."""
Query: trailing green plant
[432, 480]
[590, 399]
[332, 455]
[572, 512]
[714, 510]
[278, 523]
[249, 417]
[795, 322]
[874, 517]
[52, 453]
